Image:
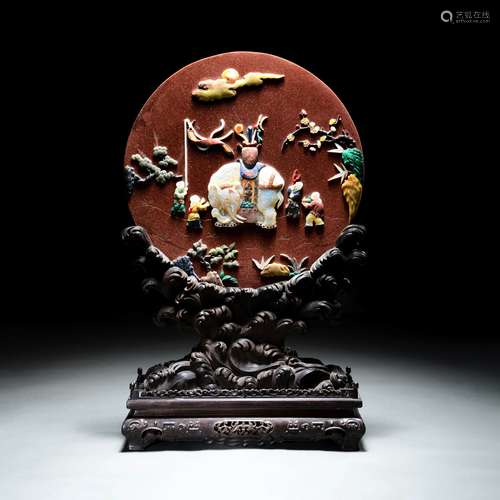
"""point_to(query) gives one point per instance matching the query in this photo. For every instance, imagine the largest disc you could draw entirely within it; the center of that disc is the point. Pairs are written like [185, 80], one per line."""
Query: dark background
[419, 91]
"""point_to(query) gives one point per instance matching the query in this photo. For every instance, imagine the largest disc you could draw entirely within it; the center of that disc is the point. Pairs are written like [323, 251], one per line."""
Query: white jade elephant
[226, 193]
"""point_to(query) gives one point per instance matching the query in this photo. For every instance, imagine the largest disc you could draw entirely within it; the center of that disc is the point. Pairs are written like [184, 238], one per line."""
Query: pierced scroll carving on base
[243, 368]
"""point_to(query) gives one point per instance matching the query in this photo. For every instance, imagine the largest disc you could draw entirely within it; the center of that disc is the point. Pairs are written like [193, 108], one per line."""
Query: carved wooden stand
[240, 386]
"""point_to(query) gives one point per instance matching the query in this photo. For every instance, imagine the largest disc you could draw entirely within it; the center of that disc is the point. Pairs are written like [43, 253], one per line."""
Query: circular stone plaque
[183, 114]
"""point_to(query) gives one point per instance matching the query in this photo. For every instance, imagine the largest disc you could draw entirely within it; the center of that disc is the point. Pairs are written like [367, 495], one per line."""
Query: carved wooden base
[342, 430]
[240, 384]
[244, 394]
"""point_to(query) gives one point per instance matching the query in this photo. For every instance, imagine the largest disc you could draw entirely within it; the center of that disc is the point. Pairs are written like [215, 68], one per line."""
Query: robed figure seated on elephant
[246, 190]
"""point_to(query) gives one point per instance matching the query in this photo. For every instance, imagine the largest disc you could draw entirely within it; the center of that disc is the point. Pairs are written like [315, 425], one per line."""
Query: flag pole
[185, 153]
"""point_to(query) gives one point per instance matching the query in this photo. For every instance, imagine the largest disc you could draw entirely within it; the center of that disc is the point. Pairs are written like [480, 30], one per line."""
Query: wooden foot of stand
[342, 431]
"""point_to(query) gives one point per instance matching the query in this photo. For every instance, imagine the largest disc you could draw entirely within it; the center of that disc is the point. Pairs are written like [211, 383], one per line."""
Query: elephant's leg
[269, 220]
[265, 204]
[271, 217]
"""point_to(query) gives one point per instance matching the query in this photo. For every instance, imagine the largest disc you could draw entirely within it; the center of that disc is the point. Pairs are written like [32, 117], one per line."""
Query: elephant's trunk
[231, 210]
[223, 219]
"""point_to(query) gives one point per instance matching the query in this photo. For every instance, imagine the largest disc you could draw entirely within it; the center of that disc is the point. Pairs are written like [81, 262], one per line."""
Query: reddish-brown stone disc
[162, 120]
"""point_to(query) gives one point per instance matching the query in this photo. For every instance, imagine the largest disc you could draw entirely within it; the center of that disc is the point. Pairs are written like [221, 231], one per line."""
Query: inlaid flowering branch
[318, 135]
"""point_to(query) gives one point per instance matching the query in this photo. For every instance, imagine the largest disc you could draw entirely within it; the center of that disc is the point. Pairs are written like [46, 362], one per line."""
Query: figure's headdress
[254, 133]
[296, 177]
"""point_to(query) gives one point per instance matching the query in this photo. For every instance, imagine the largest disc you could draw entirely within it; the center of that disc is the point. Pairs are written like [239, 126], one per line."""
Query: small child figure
[196, 205]
[292, 209]
[314, 204]
[178, 207]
